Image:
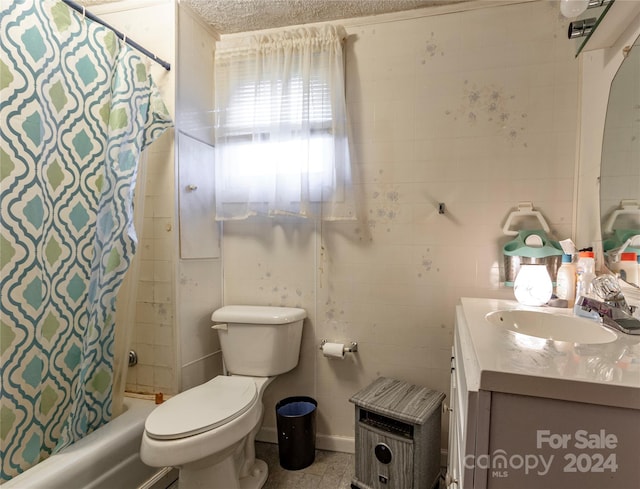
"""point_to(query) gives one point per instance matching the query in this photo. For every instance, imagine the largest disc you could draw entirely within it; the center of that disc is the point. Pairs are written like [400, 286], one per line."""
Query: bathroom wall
[474, 109]
[177, 290]
[199, 279]
[153, 335]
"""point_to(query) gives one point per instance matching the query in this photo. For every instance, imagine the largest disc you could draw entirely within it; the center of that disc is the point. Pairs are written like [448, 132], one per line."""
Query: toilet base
[257, 477]
[223, 476]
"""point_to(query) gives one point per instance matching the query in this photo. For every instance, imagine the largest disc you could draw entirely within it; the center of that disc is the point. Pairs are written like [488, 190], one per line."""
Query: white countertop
[500, 360]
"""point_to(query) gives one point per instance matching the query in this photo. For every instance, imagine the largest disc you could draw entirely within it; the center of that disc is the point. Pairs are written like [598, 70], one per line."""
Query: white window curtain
[281, 127]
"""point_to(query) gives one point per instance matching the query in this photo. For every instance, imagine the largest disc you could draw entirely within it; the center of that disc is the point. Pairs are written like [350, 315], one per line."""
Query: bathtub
[108, 458]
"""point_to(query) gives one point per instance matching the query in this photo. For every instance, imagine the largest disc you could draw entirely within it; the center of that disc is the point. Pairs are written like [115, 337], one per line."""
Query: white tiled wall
[153, 337]
[476, 110]
[172, 336]
[199, 280]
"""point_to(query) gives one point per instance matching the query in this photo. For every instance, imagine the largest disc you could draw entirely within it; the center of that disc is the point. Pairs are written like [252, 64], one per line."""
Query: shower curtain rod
[80, 8]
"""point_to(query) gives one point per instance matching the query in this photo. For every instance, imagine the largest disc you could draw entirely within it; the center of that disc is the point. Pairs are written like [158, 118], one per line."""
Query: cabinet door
[398, 473]
[567, 444]
[469, 423]
[199, 232]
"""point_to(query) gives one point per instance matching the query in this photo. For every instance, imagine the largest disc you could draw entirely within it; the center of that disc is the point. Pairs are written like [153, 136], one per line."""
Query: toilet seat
[202, 408]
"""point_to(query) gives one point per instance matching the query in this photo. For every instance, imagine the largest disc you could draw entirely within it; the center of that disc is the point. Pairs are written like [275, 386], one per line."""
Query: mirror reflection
[620, 170]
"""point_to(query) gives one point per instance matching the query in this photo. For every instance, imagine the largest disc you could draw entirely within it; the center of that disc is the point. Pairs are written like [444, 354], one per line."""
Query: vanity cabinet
[465, 434]
[512, 428]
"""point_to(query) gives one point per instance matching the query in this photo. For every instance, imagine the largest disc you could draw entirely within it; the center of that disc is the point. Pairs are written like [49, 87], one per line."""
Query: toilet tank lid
[258, 314]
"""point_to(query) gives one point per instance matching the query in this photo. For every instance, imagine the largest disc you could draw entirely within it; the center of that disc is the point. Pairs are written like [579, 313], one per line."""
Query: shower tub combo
[107, 458]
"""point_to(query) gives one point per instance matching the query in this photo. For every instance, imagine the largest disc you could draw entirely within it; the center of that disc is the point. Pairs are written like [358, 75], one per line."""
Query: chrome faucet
[613, 310]
[611, 316]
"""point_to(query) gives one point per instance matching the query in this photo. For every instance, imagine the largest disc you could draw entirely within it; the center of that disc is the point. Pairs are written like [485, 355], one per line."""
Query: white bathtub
[108, 458]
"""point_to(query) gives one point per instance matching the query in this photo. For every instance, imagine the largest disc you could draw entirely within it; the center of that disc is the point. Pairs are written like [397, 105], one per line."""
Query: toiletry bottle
[566, 281]
[628, 267]
[585, 273]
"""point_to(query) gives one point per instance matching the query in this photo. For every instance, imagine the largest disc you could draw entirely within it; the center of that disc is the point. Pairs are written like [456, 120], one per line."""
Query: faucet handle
[608, 289]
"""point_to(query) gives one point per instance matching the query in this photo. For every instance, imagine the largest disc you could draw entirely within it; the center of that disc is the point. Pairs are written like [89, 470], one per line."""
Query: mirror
[620, 164]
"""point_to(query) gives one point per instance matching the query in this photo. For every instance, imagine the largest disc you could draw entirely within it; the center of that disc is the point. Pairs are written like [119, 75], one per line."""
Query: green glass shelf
[603, 12]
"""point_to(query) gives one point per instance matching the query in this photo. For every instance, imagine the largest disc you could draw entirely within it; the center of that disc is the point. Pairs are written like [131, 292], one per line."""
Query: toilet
[208, 432]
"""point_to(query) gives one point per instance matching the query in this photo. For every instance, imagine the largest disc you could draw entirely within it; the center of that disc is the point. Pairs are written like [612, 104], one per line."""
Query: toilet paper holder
[348, 347]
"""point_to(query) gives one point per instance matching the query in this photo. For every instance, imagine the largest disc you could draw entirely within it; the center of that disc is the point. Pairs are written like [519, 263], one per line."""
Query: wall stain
[493, 105]
[431, 49]
[331, 311]
[385, 208]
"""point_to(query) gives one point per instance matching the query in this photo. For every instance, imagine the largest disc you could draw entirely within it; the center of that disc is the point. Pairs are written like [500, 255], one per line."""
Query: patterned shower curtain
[77, 108]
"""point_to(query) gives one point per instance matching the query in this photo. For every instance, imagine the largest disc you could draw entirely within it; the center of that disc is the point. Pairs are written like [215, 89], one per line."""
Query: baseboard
[161, 479]
[323, 442]
[331, 443]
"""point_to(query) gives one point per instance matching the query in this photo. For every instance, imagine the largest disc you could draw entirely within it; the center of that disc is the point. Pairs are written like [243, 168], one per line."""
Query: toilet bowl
[216, 418]
[209, 431]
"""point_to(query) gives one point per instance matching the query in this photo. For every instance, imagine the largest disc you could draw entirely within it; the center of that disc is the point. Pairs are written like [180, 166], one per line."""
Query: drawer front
[384, 461]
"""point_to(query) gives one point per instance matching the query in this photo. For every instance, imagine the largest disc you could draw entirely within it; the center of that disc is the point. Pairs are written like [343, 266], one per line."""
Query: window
[281, 139]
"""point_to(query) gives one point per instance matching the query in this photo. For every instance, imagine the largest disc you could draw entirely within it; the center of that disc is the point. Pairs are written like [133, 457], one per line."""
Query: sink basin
[550, 326]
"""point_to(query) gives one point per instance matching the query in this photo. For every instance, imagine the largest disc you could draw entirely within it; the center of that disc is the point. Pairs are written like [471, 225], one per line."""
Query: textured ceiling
[229, 16]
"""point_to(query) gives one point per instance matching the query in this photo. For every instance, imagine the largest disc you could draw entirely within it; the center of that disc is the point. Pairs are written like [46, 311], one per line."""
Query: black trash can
[296, 423]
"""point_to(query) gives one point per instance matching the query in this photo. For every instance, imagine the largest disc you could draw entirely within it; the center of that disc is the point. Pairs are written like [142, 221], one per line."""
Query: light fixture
[573, 8]
[533, 286]
[581, 28]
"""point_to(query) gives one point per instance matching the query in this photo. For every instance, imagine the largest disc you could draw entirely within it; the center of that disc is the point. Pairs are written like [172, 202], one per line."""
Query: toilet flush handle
[222, 327]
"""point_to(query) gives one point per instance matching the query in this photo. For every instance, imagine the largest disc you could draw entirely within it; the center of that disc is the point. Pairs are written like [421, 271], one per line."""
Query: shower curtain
[77, 108]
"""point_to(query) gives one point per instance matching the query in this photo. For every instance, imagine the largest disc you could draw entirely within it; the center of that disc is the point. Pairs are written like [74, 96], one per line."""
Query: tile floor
[330, 470]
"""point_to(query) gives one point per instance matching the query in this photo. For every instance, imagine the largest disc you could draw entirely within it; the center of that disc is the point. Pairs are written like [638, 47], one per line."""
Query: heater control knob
[383, 453]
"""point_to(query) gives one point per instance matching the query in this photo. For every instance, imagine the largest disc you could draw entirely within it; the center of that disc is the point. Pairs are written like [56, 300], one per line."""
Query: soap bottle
[628, 267]
[585, 273]
[566, 281]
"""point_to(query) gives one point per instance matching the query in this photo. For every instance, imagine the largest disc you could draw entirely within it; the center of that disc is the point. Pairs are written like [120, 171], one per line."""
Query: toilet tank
[259, 341]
